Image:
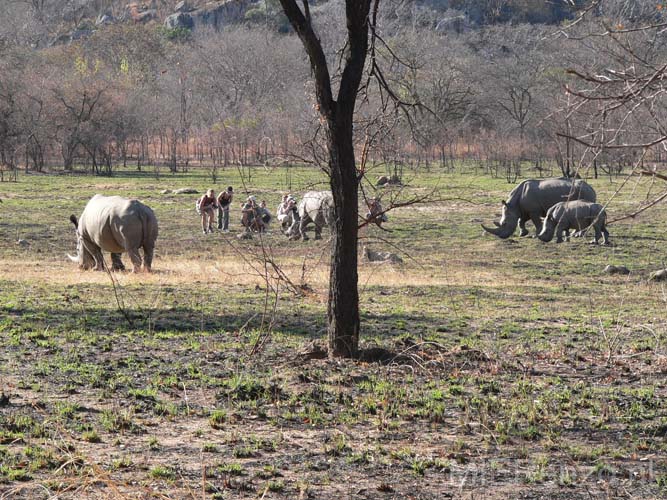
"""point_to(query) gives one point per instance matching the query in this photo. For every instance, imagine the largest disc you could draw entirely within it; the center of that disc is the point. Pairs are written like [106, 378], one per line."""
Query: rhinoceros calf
[531, 199]
[316, 207]
[577, 215]
[114, 224]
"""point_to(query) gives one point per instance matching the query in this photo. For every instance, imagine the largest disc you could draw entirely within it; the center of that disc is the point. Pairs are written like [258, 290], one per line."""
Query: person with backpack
[224, 202]
[206, 208]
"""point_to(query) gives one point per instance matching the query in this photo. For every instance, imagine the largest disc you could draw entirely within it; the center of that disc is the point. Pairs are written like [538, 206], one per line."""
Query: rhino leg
[293, 232]
[522, 226]
[148, 257]
[302, 226]
[318, 232]
[537, 222]
[135, 258]
[598, 235]
[96, 253]
[601, 232]
[116, 262]
[605, 235]
[560, 229]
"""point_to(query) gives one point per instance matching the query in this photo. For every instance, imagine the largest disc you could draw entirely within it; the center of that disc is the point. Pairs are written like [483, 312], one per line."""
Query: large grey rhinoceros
[316, 207]
[577, 215]
[114, 224]
[531, 200]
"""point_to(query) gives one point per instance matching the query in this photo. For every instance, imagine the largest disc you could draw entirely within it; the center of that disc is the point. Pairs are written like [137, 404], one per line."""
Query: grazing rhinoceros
[114, 224]
[532, 198]
[577, 215]
[316, 207]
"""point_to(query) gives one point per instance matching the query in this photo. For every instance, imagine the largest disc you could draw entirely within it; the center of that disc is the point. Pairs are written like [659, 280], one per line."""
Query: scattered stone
[180, 20]
[185, 191]
[371, 256]
[4, 399]
[382, 180]
[217, 15]
[23, 243]
[395, 180]
[166, 191]
[104, 19]
[247, 235]
[660, 275]
[616, 270]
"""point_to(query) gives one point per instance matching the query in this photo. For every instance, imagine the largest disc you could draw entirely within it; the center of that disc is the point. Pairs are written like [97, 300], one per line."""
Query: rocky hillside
[51, 22]
[54, 22]
[184, 14]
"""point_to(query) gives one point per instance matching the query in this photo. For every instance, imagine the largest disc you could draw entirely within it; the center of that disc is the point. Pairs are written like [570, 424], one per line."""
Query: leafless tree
[336, 108]
[620, 97]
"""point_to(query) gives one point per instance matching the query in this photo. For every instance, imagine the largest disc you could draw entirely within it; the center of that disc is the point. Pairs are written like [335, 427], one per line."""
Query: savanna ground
[507, 369]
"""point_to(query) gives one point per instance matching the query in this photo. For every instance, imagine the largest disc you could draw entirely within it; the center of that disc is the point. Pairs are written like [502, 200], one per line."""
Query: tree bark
[343, 303]
[338, 114]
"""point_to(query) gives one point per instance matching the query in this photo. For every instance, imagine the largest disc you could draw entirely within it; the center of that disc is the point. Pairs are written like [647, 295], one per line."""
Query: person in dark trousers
[224, 202]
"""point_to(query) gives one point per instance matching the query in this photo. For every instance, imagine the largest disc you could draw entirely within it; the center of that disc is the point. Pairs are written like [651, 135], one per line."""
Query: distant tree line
[491, 95]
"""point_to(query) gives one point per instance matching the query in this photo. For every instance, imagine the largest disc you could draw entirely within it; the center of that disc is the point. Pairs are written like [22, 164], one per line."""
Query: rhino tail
[74, 221]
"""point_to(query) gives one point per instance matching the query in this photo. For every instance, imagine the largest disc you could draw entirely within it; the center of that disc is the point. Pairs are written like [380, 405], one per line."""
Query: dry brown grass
[177, 271]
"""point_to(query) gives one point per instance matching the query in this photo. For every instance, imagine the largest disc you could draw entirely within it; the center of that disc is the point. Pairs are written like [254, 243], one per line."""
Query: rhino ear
[74, 221]
[504, 203]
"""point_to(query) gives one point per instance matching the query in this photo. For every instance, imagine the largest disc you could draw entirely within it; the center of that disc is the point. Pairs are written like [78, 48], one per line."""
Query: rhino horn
[496, 223]
[499, 231]
[73, 259]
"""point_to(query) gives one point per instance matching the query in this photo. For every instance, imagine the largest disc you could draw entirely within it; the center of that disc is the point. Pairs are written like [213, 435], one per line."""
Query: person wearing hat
[224, 202]
[375, 212]
[207, 205]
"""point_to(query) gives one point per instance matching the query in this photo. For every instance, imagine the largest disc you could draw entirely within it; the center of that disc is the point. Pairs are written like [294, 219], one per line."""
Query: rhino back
[557, 211]
[584, 210]
[117, 224]
[539, 196]
[578, 214]
[584, 191]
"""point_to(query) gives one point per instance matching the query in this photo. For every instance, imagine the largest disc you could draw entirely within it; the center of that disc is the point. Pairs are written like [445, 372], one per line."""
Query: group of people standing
[207, 206]
[254, 216]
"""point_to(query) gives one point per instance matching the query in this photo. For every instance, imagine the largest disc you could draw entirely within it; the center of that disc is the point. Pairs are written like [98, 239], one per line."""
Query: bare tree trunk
[343, 307]
[343, 304]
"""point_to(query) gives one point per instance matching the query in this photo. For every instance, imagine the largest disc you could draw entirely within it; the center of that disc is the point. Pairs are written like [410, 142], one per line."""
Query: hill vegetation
[37, 21]
[473, 86]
